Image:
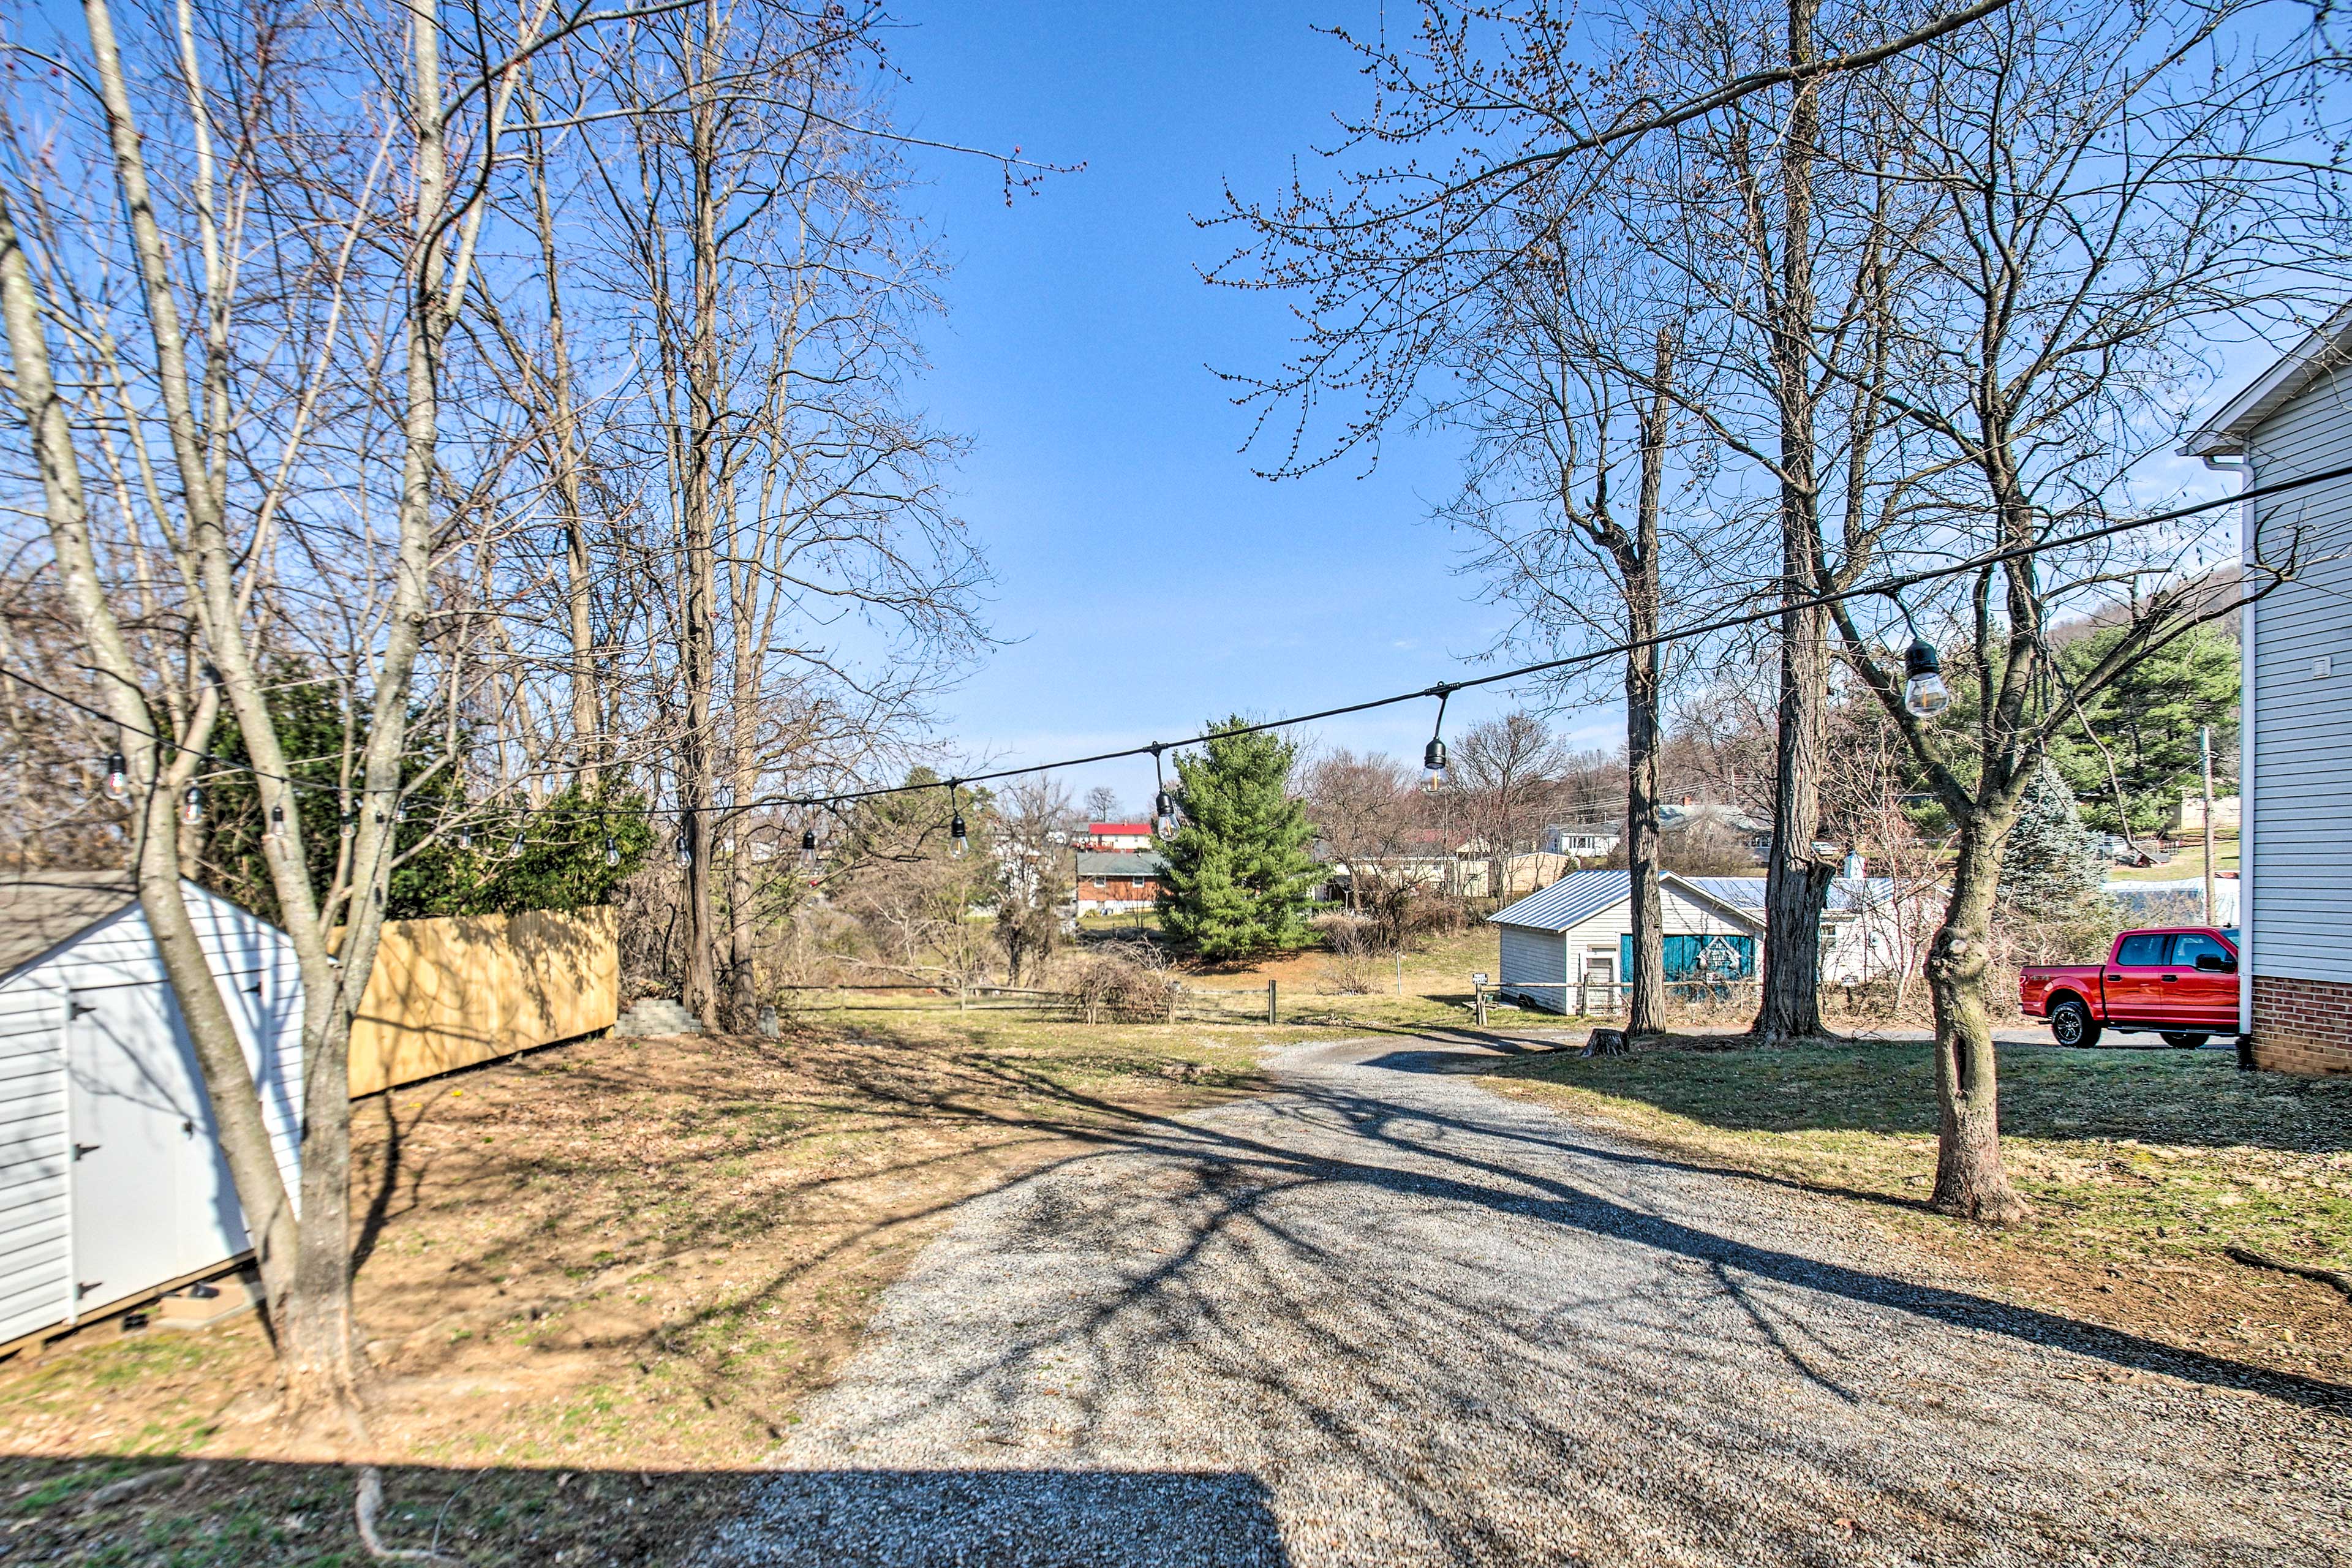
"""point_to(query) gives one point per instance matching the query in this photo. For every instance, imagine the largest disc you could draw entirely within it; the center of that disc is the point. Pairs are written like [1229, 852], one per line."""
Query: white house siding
[36, 1288]
[2300, 858]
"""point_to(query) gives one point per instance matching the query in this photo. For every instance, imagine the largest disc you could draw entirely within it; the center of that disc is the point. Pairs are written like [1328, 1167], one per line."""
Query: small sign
[1478, 979]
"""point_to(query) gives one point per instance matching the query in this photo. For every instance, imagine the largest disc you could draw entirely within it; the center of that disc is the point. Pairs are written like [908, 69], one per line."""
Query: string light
[612, 850]
[117, 778]
[518, 843]
[808, 848]
[399, 809]
[683, 851]
[350, 823]
[117, 781]
[276, 828]
[192, 806]
[1433, 756]
[958, 844]
[465, 838]
[1924, 693]
[1163, 804]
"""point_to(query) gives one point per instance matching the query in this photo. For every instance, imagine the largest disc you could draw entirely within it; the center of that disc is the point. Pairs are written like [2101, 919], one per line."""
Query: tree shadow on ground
[2195, 1098]
[253, 1514]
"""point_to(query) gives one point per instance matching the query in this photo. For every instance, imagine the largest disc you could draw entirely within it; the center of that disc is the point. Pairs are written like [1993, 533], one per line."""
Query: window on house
[1099, 881]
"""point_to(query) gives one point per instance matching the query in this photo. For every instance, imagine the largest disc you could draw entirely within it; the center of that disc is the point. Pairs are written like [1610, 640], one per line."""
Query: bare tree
[1503, 786]
[1033, 869]
[1102, 803]
[1364, 815]
[2112, 192]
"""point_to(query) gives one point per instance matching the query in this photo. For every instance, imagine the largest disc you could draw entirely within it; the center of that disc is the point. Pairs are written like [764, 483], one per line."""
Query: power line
[1440, 690]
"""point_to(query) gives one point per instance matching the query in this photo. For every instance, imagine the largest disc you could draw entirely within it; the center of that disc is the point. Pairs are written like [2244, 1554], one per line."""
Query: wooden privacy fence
[451, 992]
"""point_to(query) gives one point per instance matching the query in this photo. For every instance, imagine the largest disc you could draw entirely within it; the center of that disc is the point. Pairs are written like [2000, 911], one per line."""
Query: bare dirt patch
[596, 1284]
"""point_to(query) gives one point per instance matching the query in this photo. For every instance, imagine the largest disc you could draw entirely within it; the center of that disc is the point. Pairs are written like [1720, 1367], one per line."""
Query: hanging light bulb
[1924, 693]
[192, 806]
[612, 850]
[1433, 756]
[465, 838]
[350, 823]
[516, 845]
[1164, 815]
[683, 851]
[808, 848]
[399, 809]
[276, 828]
[117, 778]
[958, 844]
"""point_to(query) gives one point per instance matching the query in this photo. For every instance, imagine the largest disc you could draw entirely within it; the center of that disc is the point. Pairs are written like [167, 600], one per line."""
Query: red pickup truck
[2179, 982]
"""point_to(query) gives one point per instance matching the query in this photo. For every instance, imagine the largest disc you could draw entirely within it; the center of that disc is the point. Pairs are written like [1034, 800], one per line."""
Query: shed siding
[2299, 858]
[35, 1258]
[1533, 958]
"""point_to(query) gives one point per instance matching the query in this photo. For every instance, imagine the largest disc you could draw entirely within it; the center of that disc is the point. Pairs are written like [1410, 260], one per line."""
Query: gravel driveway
[1387, 1318]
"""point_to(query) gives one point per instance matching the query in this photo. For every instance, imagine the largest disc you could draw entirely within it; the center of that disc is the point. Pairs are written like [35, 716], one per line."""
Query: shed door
[150, 1199]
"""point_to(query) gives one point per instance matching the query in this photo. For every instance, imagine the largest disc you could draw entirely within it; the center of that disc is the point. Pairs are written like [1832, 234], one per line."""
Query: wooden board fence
[451, 992]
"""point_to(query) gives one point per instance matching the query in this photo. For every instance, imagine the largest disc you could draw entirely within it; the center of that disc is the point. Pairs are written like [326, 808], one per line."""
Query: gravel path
[1387, 1318]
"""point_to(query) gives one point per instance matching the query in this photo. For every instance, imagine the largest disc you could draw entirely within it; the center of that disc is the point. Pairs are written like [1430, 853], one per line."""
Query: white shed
[111, 1182]
[1578, 934]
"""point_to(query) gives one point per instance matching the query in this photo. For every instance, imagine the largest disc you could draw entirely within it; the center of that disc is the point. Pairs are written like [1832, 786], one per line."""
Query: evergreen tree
[2147, 723]
[1238, 874]
[2051, 866]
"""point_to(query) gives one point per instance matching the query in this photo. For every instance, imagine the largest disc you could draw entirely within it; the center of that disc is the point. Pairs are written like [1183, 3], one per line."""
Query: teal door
[1717, 958]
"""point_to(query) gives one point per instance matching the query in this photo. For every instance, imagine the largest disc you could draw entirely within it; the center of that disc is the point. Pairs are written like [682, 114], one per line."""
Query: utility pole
[2205, 750]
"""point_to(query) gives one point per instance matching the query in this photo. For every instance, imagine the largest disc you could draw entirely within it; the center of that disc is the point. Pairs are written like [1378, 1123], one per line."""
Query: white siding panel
[2299, 858]
[1533, 958]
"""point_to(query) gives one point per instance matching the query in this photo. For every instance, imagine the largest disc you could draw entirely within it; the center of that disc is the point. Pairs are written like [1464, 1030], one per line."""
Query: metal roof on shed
[42, 911]
[1573, 899]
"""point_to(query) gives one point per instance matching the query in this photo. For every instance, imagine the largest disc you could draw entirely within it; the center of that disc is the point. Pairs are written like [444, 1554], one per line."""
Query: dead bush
[1358, 952]
[1127, 981]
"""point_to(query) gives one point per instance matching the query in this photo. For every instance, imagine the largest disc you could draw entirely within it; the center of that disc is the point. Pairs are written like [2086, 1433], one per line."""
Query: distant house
[2295, 997]
[1112, 883]
[2188, 817]
[1699, 819]
[1585, 841]
[1119, 837]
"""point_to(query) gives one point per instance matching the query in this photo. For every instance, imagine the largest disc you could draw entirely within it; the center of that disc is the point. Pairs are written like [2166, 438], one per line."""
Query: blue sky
[1151, 580]
[1147, 579]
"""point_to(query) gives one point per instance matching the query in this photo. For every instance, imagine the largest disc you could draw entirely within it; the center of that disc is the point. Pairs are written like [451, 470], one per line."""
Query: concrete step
[213, 1301]
[652, 1016]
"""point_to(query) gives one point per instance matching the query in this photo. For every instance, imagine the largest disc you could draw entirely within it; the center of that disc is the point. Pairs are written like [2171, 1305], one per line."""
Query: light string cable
[1440, 690]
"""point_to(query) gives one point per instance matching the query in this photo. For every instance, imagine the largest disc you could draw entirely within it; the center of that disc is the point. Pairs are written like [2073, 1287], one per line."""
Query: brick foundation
[2303, 1025]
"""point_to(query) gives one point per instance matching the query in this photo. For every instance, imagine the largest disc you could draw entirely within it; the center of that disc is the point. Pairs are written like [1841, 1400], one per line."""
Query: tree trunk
[1969, 1180]
[699, 487]
[1796, 883]
[1645, 1002]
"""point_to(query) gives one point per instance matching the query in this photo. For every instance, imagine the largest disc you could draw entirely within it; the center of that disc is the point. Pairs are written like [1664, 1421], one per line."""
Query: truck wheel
[2071, 1023]
[2185, 1042]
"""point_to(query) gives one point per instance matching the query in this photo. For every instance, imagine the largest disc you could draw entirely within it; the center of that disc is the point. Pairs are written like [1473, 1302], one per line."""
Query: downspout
[2243, 466]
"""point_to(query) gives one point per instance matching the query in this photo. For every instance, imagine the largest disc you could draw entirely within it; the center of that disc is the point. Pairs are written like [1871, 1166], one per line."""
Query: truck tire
[2071, 1023]
[2181, 1041]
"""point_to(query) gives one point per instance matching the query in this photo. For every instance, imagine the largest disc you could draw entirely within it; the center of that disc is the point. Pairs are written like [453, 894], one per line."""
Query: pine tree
[2052, 869]
[1238, 874]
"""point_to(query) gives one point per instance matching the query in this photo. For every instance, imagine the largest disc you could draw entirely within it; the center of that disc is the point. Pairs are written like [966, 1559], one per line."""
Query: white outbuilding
[1568, 948]
[113, 1186]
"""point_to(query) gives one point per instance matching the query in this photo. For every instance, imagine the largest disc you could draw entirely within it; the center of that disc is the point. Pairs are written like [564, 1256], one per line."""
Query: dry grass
[596, 1283]
[2142, 1166]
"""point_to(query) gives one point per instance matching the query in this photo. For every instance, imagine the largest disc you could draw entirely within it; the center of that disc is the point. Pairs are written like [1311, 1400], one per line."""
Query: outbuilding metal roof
[42, 911]
[1573, 899]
